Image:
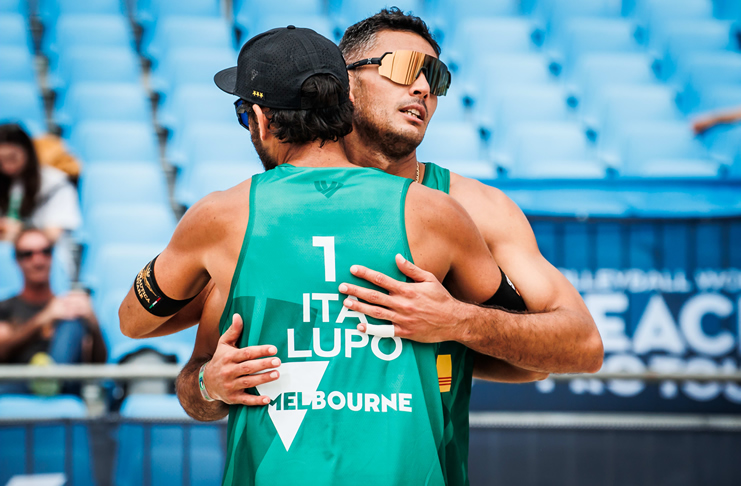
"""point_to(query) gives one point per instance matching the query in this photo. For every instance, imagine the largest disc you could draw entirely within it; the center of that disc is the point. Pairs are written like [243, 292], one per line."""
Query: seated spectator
[705, 122]
[38, 327]
[35, 195]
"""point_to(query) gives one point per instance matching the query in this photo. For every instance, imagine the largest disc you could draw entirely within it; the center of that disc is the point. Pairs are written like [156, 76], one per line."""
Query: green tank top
[455, 374]
[348, 408]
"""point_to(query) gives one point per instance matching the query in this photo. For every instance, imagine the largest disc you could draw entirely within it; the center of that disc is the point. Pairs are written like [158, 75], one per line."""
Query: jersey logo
[444, 372]
[327, 189]
[302, 379]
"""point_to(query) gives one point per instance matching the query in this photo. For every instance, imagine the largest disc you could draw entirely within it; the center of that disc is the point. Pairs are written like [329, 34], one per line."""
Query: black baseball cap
[272, 67]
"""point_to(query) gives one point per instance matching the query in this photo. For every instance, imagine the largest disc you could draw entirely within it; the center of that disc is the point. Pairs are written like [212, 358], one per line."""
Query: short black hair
[330, 120]
[360, 37]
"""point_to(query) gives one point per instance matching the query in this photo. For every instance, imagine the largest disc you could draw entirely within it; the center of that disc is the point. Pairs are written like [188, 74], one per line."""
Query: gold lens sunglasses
[403, 67]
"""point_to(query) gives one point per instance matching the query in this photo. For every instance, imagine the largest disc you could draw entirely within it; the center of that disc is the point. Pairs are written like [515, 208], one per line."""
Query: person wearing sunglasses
[38, 327]
[396, 81]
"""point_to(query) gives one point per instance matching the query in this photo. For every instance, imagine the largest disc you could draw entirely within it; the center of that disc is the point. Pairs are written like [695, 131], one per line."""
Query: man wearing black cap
[277, 247]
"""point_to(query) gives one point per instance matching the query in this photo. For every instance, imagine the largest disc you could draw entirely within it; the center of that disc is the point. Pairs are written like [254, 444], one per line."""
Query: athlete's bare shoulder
[497, 216]
[219, 209]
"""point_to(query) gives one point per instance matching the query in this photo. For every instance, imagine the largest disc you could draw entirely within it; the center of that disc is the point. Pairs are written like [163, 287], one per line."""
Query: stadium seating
[84, 31]
[250, 16]
[95, 65]
[103, 102]
[200, 455]
[14, 7]
[150, 12]
[21, 102]
[13, 31]
[186, 66]
[17, 63]
[206, 176]
[682, 37]
[113, 141]
[195, 103]
[183, 32]
[55, 446]
[210, 141]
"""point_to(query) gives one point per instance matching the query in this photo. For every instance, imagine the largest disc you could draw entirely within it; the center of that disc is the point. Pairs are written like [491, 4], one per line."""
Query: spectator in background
[38, 327]
[35, 195]
[705, 122]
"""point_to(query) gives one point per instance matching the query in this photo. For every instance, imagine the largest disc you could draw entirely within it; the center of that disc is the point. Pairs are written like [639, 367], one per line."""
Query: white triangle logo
[303, 377]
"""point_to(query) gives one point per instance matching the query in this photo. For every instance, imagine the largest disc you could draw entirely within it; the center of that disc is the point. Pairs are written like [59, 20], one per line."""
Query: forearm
[494, 369]
[17, 337]
[190, 397]
[558, 341]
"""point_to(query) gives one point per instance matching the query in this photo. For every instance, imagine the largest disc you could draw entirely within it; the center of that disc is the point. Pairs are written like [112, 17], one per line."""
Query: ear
[262, 122]
[351, 76]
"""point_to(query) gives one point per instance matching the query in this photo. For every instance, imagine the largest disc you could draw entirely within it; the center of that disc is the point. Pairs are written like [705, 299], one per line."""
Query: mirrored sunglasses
[403, 67]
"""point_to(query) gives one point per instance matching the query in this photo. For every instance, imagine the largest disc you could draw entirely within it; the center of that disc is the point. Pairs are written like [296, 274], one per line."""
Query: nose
[420, 87]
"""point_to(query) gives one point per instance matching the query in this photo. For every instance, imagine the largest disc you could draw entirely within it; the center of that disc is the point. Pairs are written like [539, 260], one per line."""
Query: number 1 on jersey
[327, 242]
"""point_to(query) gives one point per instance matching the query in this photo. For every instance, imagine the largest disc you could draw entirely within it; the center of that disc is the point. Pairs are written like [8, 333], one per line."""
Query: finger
[380, 330]
[369, 310]
[413, 271]
[252, 352]
[252, 381]
[252, 400]
[377, 278]
[368, 295]
[255, 366]
[232, 334]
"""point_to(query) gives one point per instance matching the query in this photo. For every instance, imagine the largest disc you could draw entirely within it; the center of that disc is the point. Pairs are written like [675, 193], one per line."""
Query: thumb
[412, 271]
[232, 334]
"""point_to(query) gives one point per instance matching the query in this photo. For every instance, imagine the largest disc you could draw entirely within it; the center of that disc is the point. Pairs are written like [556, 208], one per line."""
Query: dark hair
[12, 133]
[360, 37]
[331, 120]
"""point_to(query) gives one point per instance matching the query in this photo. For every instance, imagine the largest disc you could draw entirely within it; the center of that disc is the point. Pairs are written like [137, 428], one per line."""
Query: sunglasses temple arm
[364, 62]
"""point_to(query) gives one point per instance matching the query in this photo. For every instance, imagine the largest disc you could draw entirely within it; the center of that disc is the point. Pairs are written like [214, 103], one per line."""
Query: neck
[314, 155]
[370, 155]
[37, 293]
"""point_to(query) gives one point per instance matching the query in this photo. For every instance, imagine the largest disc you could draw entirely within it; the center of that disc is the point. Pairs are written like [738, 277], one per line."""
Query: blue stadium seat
[720, 97]
[511, 105]
[681, 37]
[150, 12]
[111, 141]
[456, 146]
[727, 9]
[664, 150]
[348, 12]
[550, 150]
[183, 32]
[209, 141]
[14, 7]
[594, 72]
[478, 37]
[22, 102]
[184, 66]
[17, 63]
[85, 31]
[318, 23]
[106, 304]
[128, 223]
[103, 102]
[199, 103]
[456, 11]
[701, 72]
[451, 107]
[207, 176]
[724, 144]
[116, 265]
[249, 15]
[594, 35]
[496, 71]
[50, 10]
[52, 443]
[620, 105]
[123, 183]
[14, 31]
[554, 13]
[201, 442]
[652, 13]
[95, 64]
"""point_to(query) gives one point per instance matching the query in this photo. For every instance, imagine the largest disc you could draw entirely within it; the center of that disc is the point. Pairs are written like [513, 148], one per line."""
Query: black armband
[506, 296]
[151, 297]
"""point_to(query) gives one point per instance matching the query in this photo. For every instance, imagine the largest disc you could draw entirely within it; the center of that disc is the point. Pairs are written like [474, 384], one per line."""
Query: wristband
[202, 385]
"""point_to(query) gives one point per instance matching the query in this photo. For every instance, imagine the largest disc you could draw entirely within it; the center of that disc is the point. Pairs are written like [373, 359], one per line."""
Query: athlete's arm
[442, 238]
[558, 335]
[181, 269]
[229, 370]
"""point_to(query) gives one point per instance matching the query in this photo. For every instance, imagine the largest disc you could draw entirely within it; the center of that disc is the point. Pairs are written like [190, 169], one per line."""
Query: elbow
[594, 353]
[539, 376]
[127, 329]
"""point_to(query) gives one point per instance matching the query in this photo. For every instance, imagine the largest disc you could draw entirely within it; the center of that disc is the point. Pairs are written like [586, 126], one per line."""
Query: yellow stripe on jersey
[444, 372]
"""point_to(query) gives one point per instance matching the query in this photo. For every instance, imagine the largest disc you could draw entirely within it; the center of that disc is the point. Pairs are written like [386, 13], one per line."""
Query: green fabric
[456, 401]
[347, 409]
